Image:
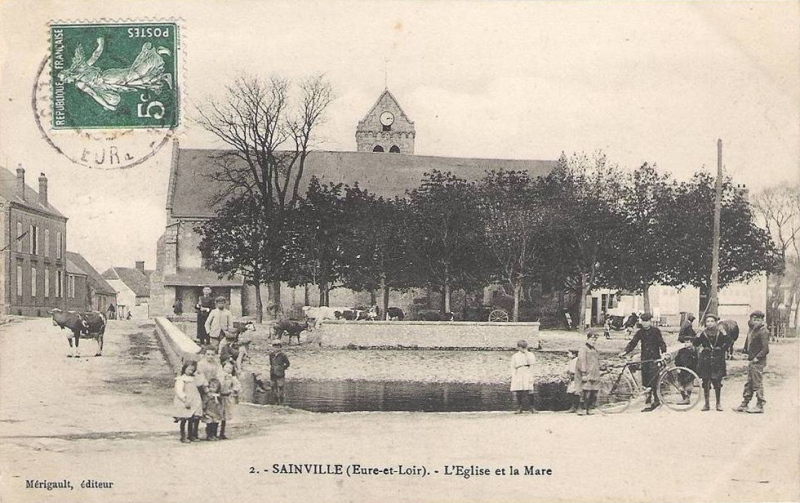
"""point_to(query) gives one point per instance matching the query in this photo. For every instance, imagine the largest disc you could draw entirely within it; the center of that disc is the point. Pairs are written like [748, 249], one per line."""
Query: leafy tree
[447, 241]
[270, 127]
[375, 244]
[584, 195]
[745, 249]
[314, 243]
[513, 217]
[237, 240]
[642, 244]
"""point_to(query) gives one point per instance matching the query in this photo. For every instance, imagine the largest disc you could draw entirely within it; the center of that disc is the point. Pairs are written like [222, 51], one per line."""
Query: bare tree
[779, 209]
[270, 135]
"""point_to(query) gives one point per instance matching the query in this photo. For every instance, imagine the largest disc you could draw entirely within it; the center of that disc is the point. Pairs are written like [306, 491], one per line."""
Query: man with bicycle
[653, 346]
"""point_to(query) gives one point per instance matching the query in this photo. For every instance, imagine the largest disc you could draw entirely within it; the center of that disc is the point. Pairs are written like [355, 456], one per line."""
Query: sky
[641, 81]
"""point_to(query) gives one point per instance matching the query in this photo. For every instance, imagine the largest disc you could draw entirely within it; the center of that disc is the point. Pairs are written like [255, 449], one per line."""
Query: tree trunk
[385, 314]
[274, 298]
[517, 294]
[373, 298]
[259, 304]
[585, 290]
[447, 296]
[428, 296]
[306, 295]
[646, 296]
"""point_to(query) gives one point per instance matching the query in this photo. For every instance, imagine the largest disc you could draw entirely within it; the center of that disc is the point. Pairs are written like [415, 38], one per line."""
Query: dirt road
[106, 420]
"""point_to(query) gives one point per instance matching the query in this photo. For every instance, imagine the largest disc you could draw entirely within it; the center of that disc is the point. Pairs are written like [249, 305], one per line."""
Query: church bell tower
[386, 128]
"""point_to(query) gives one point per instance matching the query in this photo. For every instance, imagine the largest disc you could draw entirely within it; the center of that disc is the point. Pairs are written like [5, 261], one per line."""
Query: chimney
[21, 182]
[140, 266]
[43, 189]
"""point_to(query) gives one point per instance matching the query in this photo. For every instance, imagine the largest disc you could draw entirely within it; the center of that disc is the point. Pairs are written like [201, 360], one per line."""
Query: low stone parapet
[428, 334]
[177, 345]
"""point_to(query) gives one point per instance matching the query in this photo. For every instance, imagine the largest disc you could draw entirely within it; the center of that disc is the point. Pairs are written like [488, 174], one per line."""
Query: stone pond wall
[426, 334]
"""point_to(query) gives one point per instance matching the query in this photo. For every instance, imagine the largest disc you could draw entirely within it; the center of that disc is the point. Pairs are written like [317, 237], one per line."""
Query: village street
[107, 419]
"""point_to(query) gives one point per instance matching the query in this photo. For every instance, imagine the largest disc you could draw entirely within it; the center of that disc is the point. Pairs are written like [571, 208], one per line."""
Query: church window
[395, 149]
[377, 148]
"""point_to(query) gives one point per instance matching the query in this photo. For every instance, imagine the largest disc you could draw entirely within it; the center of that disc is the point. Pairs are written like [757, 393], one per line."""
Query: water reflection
[363, 395]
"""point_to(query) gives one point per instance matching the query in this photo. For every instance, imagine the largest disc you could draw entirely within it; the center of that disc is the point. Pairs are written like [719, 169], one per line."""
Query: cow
[731, 328]
[431, 315]
[395, 314]
[355, 314]
[86, 325]
[289, 327]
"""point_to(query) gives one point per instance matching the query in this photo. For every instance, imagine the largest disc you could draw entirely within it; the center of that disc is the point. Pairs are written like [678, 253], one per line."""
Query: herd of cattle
[314, 316]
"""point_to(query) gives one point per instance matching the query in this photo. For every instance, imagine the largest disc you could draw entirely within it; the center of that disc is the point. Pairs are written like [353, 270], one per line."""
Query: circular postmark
[115, 109]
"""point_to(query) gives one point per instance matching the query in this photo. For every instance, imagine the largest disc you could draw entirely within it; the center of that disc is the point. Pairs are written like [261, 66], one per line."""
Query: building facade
[33, 244]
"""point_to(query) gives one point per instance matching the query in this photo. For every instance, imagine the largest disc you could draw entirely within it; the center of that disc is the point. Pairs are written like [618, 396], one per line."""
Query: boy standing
[756, 347]
[278, 363]
[219, 322]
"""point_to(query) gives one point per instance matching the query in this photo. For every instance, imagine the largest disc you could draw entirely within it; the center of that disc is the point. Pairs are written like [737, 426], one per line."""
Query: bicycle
[676, 387]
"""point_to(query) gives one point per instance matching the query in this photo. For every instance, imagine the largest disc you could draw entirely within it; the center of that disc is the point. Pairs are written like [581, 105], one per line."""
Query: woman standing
[522, 377]
[711, 367]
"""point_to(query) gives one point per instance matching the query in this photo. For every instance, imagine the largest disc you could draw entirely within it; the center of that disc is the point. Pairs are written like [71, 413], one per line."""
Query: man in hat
[278, 363]
[653, 346]
[756, 347]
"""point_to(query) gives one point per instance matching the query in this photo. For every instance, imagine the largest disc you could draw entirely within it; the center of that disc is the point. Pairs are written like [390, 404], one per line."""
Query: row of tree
[585, 224]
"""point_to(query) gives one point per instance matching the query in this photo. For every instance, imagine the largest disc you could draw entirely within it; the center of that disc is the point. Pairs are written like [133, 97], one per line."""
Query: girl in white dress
[522, 377]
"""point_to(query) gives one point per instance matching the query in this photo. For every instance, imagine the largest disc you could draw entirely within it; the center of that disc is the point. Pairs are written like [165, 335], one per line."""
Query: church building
[384, 163]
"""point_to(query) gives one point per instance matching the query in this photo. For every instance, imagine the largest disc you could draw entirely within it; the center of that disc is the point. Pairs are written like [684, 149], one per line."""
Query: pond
[364, 395]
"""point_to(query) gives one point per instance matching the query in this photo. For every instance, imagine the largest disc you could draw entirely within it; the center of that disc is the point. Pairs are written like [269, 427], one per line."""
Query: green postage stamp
[114, 76]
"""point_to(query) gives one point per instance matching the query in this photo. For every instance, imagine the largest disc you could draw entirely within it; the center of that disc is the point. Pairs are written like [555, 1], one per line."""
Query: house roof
[95, 279]
[72, 267]
[200, 277]
[132, 277]
[8, 191]
[192, 190]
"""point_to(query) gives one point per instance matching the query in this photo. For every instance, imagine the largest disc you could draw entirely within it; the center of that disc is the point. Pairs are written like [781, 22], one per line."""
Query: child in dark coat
[278, 363]
[212, 408]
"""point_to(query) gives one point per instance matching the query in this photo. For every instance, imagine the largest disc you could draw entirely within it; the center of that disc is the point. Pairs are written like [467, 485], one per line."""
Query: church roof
[192, 190]
[388, 93]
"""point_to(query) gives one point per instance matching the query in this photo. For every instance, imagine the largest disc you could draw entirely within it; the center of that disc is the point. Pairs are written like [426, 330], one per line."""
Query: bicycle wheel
[615, 395]
[679, 388]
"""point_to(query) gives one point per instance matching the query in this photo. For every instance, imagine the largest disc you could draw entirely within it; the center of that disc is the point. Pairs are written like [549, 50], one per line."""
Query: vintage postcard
[456, 251]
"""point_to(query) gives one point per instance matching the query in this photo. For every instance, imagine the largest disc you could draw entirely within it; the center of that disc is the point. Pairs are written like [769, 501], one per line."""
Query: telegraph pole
[713, 302]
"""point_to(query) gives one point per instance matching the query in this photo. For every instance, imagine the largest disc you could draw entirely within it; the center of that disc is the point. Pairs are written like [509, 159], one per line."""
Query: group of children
[206, 391]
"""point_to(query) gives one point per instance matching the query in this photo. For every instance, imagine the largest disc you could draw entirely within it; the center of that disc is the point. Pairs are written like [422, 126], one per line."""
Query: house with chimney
[33, 244]
[132, 286]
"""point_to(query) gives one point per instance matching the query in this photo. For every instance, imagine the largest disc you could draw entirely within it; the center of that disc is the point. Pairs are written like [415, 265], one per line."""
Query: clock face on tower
[387, 118]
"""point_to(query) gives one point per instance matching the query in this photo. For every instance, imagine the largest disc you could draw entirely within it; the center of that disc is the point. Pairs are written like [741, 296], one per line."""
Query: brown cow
[87, 325]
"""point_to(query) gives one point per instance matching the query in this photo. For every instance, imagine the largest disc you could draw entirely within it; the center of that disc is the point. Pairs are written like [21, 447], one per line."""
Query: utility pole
[713, 302]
